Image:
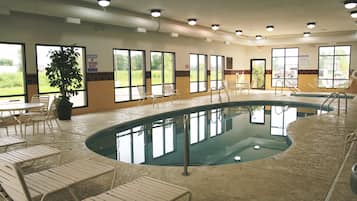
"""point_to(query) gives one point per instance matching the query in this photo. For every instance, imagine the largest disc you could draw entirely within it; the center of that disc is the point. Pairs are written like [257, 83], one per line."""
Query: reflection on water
[216, 136]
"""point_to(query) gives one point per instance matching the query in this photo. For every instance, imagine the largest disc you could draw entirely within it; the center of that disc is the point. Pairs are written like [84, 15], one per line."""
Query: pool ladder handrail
[332, 97]
[219, 93]
[276, 86]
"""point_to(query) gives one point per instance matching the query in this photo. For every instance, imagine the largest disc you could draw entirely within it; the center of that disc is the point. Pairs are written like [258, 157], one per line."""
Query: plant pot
[354, 178]
[64, 109]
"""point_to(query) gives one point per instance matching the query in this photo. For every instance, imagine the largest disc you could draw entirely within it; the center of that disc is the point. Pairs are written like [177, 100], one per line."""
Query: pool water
[216, 135]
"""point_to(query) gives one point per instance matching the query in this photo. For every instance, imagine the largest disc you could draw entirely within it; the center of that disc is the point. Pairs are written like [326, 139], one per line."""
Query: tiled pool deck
[305, 172]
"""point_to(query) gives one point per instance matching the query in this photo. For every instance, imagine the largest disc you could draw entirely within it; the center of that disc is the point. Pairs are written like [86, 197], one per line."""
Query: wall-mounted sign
[92, 63]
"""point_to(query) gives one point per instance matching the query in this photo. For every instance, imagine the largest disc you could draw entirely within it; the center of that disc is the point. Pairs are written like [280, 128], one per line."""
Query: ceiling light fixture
[239, 32]
[103, 3]
[215, 27]
[174, 35]
[192, 21]
[155, 12]
[258, 37]
[354, 14]
[73, 20]
[350, 4]
[311, 25]
[141, 30]
[307, 34]
[270, 28]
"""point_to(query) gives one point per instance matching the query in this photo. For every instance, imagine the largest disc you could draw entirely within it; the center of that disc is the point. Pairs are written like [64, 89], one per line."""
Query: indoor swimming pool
[216, 134]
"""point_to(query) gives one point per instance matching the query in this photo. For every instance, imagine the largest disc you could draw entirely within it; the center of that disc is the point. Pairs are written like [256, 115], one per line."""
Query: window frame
[284, 78]
[333, 68]
[163, 71]
[130, 76]
[84, 71]
[198, 72]
[223, 68]
[25, 94]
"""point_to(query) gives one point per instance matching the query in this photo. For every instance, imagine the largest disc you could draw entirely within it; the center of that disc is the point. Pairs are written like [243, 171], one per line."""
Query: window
[163, 132]
[131, 145]
[43, 60]
[12, 72]
[198, 73]
[198, 126]
[285, 67]
[334, 66]
[129, 74]
[217, 67]
[162, 72]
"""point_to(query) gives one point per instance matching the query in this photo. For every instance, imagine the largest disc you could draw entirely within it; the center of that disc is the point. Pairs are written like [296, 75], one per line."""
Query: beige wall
[101, 39]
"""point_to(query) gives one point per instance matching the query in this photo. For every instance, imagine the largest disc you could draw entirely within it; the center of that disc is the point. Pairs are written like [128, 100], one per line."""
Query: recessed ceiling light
[174, 35]
[155, 12]
[350, 4]
[354, 14]
[192, 21]
[258, 37]
[270, 28]
[311, 25]
[141, 30]
[215, 27]
[239, 32]
[307, 34]
[103, 3]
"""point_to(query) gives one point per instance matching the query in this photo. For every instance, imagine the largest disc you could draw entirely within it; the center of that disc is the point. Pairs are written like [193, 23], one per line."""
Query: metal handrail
[346, 102]
[186, 148]
[225, 91]
[332, 97]
[276, 83]
[294, 90]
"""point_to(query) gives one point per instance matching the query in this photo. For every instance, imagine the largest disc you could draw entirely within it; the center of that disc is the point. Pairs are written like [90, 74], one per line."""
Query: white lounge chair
[144, 188]
[33, 153]
[39, 185]
[5, 142]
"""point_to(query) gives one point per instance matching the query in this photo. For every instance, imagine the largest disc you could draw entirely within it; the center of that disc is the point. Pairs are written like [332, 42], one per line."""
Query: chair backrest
[13, 183]
[40, 99]
[240, 78]
[52, 112]
[169, 90]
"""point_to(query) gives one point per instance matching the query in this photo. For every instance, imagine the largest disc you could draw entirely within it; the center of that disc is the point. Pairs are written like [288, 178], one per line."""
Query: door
[257, 76]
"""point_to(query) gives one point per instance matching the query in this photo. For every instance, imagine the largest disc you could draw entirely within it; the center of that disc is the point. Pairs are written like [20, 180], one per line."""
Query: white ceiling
[289, 17]
[252, 16]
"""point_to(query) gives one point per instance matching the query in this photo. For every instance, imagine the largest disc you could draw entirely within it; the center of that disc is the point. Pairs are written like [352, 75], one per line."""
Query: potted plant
[63, 72]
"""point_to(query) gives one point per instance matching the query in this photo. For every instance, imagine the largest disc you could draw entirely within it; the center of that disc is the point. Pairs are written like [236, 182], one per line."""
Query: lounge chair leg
[114, 178]
[72, 194]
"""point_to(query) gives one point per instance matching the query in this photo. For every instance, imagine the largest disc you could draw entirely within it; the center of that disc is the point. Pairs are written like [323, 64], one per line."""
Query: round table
[12, 107]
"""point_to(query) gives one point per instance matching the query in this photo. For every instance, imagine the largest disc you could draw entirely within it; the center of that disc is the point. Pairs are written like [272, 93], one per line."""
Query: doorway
[257, 75]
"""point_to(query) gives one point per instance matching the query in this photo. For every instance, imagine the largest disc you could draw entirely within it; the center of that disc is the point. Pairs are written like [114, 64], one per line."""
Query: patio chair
[47, 117]
[40, 99]
[20, 156]
[39, 185]
[5, 142]
[6, 121]
[241, 83]
[144, 188]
